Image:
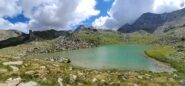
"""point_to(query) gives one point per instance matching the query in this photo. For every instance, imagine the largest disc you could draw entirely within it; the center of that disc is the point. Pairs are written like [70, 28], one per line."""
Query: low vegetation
[51, 73]
[167, 54]
[48, 73]
[161, 53]
[110, 37]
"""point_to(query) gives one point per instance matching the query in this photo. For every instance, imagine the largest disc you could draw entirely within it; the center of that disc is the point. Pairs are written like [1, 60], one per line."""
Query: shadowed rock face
[14, 40]
[156, 23]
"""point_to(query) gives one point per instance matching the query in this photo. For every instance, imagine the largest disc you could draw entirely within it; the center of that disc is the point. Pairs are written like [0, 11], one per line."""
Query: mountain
[47, 35]
[12, 38]
[156, 23]
[5, 34]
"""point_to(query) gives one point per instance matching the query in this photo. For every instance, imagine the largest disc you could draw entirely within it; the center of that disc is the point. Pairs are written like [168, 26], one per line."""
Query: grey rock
[12, 82]
[30, 83]
[94, 80]
[30, 72]
[60, 80]
[72, 78]
[13, 63]
[14, 68]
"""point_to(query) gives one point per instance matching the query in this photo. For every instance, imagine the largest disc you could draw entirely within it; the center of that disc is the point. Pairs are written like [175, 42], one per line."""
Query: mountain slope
[47, 35]
[12, 38]
[156, 23]
[5, 34]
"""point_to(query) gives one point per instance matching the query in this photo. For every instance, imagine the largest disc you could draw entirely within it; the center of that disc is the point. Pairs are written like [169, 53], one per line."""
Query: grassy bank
[167, 54]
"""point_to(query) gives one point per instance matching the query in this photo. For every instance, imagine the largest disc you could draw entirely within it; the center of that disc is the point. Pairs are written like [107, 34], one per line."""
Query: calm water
[128, 57]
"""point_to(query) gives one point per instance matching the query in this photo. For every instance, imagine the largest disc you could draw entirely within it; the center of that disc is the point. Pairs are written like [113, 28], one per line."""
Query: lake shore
[163, 67]
[48, 73]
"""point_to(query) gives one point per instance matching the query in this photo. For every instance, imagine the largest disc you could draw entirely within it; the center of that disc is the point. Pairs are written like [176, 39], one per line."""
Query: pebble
[52, 60]
[80, 74]
[43, 67]
[14, 68]
[124, 78]
[31, 72]
[60, 80]
[136, 85]
[139, 77]
[13, 63]
[94, 80]
[73, 78]
[102, 81]
[56, 65]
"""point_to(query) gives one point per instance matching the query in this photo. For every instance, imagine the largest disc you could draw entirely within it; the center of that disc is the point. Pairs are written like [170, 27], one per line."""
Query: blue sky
[64, 15]
[101, 5]
[18, 18]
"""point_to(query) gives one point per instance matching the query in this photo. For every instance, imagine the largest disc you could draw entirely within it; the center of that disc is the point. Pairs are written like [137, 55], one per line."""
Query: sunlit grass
[160, 52]
[163, 54]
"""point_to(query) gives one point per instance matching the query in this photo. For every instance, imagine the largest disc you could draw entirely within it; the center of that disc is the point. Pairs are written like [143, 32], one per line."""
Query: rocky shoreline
[42, 73]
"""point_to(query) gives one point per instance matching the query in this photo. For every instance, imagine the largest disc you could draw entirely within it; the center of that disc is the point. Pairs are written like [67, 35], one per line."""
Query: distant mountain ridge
[12, 38]
[156, 23]
[5, 34]
[48, 34]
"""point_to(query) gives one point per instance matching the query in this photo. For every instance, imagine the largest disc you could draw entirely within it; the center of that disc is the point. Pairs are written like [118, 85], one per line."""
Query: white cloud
[62, 14]
[9, 8]
[100, 22]
[57, 14]
[127, 11]
[47, 14]
[6, 25]
[161, 6]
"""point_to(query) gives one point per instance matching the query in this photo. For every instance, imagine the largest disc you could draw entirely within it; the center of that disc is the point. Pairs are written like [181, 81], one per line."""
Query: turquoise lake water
[129, 57]
[121, 57]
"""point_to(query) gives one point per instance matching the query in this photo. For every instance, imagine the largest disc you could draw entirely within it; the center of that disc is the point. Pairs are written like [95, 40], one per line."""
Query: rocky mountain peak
[156, 23]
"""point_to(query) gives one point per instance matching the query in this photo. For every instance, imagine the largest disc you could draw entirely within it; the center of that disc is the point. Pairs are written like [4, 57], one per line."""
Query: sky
[40, 15]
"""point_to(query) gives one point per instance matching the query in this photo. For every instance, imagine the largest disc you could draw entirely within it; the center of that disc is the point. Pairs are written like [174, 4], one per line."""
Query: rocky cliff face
[156, 23]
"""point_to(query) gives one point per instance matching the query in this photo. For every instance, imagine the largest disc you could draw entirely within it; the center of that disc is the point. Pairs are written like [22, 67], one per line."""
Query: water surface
[122, 57]
[127, 57]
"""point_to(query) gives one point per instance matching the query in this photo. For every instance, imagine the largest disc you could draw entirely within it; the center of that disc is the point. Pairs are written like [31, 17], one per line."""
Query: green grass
[164, 54]
[110, 37]
[99, 38]
[161, 53]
